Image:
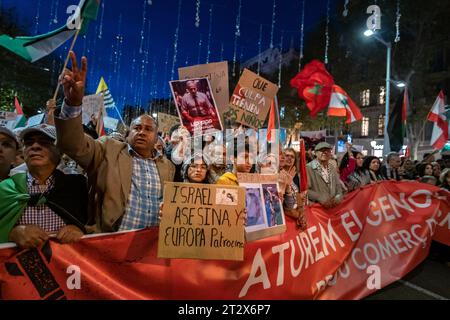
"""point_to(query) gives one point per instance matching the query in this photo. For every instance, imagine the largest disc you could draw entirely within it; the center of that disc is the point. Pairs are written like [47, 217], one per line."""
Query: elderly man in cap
[9, 147]
[323, 180]
[126, 178]
[42, 201]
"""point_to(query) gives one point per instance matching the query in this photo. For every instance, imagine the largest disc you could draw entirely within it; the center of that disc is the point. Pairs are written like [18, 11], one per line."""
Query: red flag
[314, 85]
[439, 136]
[302, 167]
[271, 124]
[19, 110]
[341, 105]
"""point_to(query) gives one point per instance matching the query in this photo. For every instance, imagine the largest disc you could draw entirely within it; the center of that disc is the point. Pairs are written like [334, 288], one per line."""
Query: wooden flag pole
[55, 95]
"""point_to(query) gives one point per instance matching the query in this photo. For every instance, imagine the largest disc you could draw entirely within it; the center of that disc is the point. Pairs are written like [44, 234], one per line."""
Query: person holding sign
[195, 170]
[126, 177]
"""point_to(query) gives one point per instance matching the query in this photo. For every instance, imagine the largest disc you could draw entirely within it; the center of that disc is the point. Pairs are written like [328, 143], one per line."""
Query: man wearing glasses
[323, 180]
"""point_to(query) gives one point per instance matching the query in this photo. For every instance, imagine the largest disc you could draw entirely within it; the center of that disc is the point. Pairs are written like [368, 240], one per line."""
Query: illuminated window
[365, 97]
[365, 127]
[381, 125]
[382, 96]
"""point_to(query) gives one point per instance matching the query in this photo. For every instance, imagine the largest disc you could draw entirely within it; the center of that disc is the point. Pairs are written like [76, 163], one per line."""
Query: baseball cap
[322, 145]
[48, 130]
[10, 134]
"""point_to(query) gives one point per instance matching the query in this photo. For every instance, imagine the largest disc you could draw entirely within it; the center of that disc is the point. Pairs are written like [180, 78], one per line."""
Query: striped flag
[37, 47]
[108, 100]
[439, 136]
[102, 89]
[341, 105]
[21, 121]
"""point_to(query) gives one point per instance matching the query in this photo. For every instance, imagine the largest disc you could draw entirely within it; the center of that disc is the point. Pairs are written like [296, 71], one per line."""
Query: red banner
[376, 236]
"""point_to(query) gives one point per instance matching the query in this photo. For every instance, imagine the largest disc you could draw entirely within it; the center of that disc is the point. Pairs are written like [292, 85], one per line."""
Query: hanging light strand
[175, 42]
[327, 35]
[236, 35]
[302, 35]
[280, 62]
[144, 18]
[208, 52]
[197, 13]
[36, 19]
[259, 48]
[55, 16]
[273, 23]
[221, 52]
[345, 12]
[397, 23]
[200, 43]
[100, 33]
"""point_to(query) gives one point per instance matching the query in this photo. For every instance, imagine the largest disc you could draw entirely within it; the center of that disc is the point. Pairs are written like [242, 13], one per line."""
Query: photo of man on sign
[195, 105]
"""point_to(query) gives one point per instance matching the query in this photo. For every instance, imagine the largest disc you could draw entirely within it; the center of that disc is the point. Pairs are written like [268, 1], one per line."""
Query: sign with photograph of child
[265, 216]
[202, 221]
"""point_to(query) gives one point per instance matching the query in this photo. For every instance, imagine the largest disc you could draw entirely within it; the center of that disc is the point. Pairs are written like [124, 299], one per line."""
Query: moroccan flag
[302, 167]
[314, 85]
[439, 136]
[21, 121]
[396, 128]
[37, 47]
[341, 105]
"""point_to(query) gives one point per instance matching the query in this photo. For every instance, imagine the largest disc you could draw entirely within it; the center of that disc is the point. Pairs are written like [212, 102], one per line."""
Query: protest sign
[91, 107]
[389, 224]
[6, 118]
[166, 122]
[110, 123]
[217, 74]
[265, 216]
[202, 221]
[251, 100]
[196, 105]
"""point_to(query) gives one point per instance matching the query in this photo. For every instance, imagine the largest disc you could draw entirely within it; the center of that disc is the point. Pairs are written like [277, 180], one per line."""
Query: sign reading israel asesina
[202, 221]
[386, 226]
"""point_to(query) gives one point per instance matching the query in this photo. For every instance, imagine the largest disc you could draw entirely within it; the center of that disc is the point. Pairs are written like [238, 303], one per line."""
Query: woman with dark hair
[372, 164]
[195, 169]
[348, 163]
[425, 169]
[360, 177]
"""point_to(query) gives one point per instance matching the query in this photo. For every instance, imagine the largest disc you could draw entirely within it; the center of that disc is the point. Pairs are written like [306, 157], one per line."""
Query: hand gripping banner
[376, 236]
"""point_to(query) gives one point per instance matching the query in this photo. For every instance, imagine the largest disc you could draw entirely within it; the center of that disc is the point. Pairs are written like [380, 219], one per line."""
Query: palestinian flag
[341, 105]
[21, 121]
[37, 47]
[396, 128]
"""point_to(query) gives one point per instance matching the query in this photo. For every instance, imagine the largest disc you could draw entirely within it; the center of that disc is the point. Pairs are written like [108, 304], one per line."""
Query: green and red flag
[36, 47]
[314, 85]
[396, 128]
[21, 121]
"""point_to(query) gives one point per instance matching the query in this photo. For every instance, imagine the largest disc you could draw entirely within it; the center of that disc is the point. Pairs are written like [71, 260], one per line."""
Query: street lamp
[370, 33]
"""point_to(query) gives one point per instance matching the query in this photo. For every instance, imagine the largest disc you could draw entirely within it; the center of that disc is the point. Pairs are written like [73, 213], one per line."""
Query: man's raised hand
[73, 81]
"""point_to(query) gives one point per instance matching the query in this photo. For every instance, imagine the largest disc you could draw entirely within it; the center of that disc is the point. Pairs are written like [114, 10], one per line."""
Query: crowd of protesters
[61, 181]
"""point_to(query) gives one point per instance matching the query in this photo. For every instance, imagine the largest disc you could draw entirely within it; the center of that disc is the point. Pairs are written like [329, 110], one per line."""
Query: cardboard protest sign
[92, 104]
[251, 99]
[7, 118]
[196, 105]
[202, 221]
[265, 216]
[166, 122]
[217, 74]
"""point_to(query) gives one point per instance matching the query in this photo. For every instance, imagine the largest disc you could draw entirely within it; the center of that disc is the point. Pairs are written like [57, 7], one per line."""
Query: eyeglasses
[198, 166]
[45, 142]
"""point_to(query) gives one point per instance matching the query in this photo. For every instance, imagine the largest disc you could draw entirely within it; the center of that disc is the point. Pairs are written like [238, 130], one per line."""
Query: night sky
[114, 61]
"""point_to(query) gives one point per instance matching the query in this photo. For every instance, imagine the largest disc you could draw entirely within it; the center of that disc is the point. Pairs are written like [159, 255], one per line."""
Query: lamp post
[370, 33]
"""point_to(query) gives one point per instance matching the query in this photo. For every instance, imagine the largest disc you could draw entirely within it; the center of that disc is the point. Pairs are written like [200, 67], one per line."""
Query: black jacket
[68, 198]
